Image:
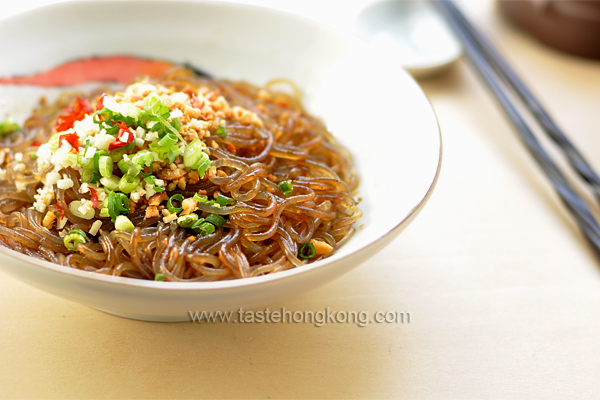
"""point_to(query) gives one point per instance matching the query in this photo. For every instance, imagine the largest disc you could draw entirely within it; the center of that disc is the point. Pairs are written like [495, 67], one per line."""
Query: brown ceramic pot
[572, 26]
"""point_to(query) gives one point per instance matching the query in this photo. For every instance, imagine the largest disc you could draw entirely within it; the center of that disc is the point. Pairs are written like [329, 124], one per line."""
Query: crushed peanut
[151, 212]
[168, 216]
[321, 248]
[193, 177]
[181, 183]
[189, 206]
[157, 199]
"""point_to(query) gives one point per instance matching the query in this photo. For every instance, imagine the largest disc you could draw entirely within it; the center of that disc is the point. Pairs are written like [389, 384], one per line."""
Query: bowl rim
[241, 282]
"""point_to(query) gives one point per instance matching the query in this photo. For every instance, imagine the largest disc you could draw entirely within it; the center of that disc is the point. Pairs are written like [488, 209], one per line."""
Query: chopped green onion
[128, 167]
[122, 223]
[104, 212]
[173, 153]
[74, 207]
[128, 120]
[157, 113]
[145, 175]
[130, 146]
[286, 187]
[73, 238]
[87, 163]
[159, 277]
[168, 141]
[203, 167]
[221, 132]
[123, 166]
[216, 220]
[166, 153]
[193, 153]
[79, 231]
[111, 183]
[204, 228]
[122, 203]
[162, 153]
[8, 127]
[200, 198]
[186, 221]
[117, 204]
[89, 151]
[176, 124]
[110, 128]
[127, 183]
[154, 126]
[134, 170]
[69, 159]
[154, 146]
[130, 111]
[307, 250]
[112, 213]
[152, 180]
[97, 155]
[53, 142]
[87, 148]
[117, 155]
[178, 197]
[196, 224]
[224, 200]
[123, 112]
[106, 166]
[202, 162]
[143, 157]
[105, 113]
[194, 158]
[88, 176]
[153, 105]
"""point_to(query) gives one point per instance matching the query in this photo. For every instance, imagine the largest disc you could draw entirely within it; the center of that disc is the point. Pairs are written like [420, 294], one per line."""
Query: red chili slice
[123, 129]
[35, 143]
[61, 210]
[76, 112]
[100, 102]
[94, 197]
[72, 138]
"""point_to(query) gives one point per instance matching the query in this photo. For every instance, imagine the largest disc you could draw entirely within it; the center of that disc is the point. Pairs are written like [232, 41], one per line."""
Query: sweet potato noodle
[263, 229]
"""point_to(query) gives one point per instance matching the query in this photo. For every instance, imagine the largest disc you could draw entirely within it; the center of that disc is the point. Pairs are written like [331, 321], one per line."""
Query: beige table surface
[502, 290]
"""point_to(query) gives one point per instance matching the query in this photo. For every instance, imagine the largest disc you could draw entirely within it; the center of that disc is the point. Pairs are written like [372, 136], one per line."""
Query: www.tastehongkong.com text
[316, 318]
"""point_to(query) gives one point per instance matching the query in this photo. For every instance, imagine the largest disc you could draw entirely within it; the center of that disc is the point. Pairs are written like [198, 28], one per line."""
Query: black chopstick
[546, 122]
[499, 77]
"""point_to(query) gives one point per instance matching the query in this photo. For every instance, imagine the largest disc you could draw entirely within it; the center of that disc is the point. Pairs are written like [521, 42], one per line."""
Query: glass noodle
[263, 232]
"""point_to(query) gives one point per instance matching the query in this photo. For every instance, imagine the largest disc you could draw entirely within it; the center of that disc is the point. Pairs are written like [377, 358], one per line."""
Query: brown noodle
[263, 230]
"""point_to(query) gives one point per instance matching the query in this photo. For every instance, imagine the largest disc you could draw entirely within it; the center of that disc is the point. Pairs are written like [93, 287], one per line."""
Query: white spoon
[414, 31]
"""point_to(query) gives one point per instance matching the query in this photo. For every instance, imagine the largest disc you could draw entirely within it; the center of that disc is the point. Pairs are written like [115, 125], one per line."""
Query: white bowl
[371, 104]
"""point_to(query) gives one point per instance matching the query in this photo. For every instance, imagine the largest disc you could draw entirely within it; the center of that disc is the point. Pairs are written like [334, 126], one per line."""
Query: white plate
[371, 105]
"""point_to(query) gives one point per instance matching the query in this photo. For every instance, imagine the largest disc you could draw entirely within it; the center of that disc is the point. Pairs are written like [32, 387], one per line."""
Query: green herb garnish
[7, 127]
